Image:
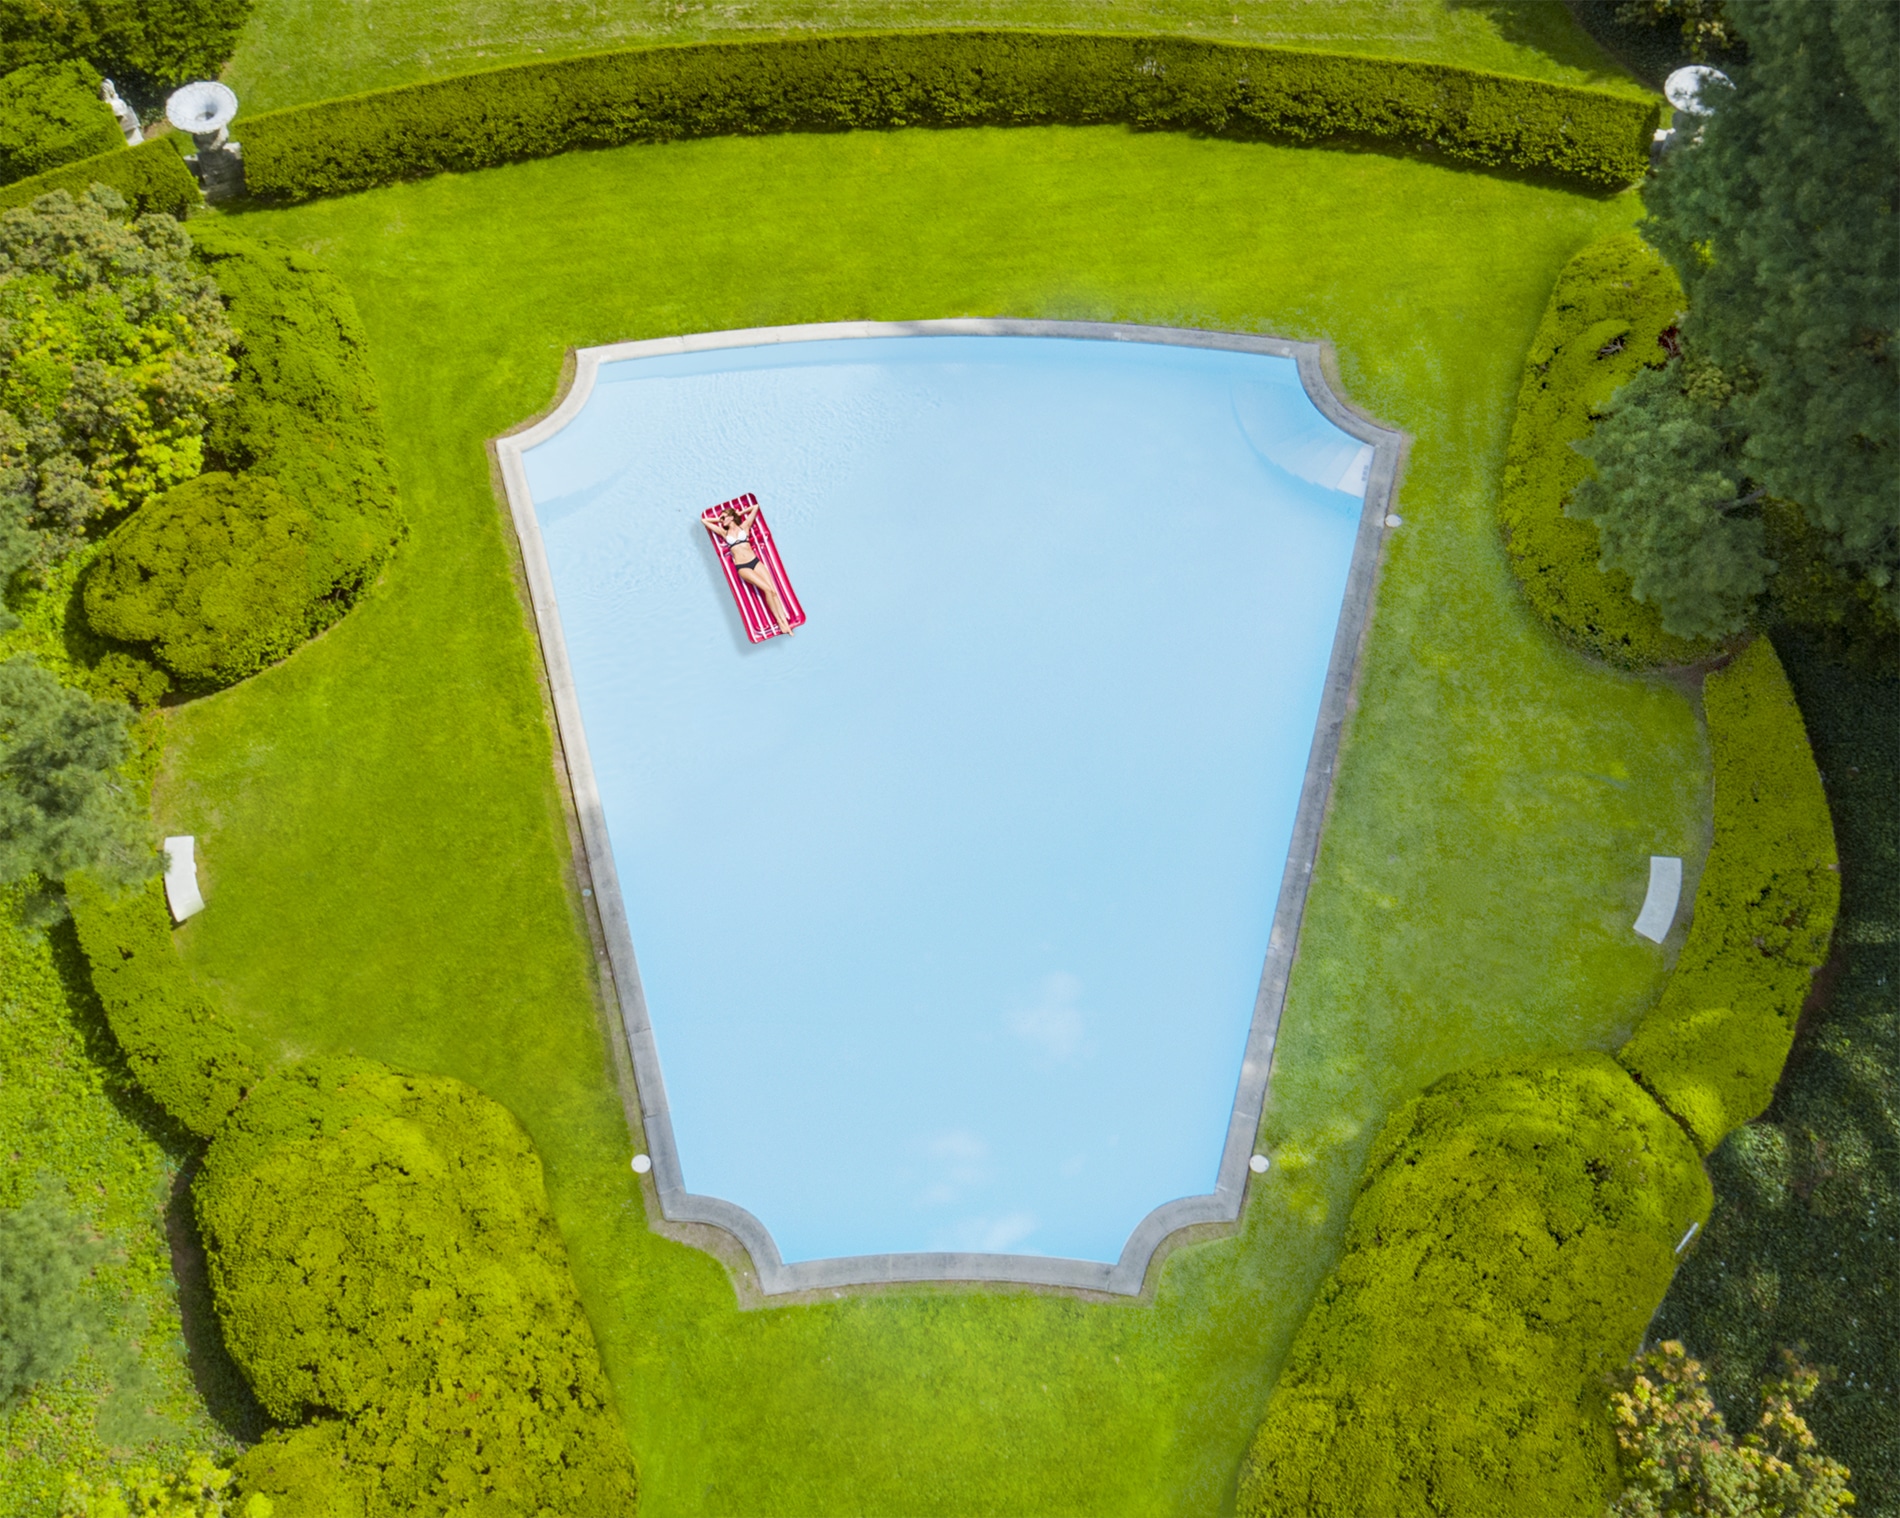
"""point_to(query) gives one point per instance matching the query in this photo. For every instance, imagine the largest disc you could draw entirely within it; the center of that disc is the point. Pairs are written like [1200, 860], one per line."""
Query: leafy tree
[112, 347]
[200, 1489]
[165, 42]
[44, 1320]
[1678, 1455]
[62, 804]
[1780, 219]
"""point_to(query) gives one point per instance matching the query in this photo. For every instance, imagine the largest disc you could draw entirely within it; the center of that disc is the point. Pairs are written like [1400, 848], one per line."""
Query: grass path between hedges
[384, 849]
[296, 51]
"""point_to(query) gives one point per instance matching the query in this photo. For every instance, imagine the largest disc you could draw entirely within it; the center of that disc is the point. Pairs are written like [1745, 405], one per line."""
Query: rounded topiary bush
[218, 575]
[51, 113]
[1512, 1235]
[388, 1276]
[1606, 322]
[231, 571]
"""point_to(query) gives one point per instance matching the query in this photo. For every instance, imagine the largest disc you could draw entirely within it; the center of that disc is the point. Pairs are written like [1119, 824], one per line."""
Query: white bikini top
[736, 537]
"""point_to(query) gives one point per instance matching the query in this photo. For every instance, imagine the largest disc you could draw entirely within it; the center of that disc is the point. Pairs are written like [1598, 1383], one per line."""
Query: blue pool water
[951, 910]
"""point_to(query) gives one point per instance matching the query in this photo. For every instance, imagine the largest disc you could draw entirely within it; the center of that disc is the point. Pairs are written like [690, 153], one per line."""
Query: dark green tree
[44, 1319]
[158, 42]
[1667, 501]
[1780, 217]
[63, 803]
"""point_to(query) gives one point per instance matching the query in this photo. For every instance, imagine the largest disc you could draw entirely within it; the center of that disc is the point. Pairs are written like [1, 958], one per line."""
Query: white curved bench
[181, 878]
[1665, 894]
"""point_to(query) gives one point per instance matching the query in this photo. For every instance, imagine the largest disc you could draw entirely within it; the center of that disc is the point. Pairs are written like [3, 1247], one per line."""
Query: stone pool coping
[1221, 1206]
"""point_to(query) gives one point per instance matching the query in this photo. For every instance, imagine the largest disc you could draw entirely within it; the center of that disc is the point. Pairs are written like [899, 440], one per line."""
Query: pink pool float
[767, 603]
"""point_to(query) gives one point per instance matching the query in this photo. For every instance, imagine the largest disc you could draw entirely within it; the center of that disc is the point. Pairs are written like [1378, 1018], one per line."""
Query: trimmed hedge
[944, 78]
[151, 176]
[231, 571]
[1605, 323]
[383, 1260]
[1712, 1048]
[1513, 1233]
[188, 1059]
[51, 113]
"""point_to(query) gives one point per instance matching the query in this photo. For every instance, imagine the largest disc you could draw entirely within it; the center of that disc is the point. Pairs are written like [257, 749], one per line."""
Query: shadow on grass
[1563, 33]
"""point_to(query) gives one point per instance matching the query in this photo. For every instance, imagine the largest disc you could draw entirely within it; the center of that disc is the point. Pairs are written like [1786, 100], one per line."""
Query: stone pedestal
[218, 165]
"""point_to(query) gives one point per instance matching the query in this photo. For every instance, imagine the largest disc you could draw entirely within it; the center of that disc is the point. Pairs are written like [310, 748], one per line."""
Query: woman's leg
[753, 575]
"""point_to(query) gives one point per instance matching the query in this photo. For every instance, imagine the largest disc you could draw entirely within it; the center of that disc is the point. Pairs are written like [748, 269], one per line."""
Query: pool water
[950, 911]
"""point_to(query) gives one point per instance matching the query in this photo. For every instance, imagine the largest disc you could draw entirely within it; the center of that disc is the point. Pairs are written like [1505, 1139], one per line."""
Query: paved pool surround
[1124, 1276]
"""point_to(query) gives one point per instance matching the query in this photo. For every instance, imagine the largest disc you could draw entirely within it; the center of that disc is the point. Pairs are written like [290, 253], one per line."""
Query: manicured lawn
[386, 858]
[295, 51]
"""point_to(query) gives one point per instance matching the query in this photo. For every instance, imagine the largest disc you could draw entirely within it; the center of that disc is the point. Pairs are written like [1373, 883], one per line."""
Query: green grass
[295, 51]
[384, 846]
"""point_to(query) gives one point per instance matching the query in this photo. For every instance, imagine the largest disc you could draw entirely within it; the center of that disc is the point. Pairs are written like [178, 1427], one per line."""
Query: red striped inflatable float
[759, 622]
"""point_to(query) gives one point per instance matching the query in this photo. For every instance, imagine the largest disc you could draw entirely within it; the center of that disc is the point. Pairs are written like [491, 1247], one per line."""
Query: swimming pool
[950, 912]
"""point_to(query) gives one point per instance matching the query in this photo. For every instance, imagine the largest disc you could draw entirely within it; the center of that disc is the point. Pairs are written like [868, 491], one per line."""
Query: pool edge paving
[1223, 1205]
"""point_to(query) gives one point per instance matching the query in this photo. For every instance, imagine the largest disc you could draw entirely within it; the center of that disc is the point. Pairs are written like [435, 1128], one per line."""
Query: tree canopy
[112, 348]
[1779, 216]
[1678, 1455]
[165, 42]
[44, 1321]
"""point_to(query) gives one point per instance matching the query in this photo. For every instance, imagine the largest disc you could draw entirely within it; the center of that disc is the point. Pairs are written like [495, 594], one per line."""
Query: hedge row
[151, 176]
[1513, 1233]
[1606, 321]
[944, 78]
[1712, 1048]
[229, 572]
[188, 1059]
[51, 113]
[384, 1265]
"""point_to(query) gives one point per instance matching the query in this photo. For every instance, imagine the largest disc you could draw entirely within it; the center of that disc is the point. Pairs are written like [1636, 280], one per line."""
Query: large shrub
[150, 177]
[1678, 1455]
[51, 113]
[231, 571]
[216, 575]
[1514, 1230]
[1605, 323]
[179, 1048]
[113, 349]
[1713, 1046]
[384, 1263]
[200, 1488]
[961, 78]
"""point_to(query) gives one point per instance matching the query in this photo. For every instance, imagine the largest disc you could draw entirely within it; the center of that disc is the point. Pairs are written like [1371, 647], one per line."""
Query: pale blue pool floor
[950, 912]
